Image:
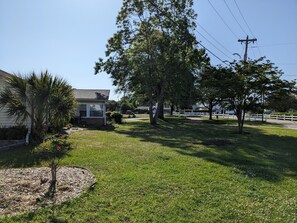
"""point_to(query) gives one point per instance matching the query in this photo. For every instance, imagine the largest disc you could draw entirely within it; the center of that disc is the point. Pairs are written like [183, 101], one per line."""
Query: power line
[240, 25]
[213, 45]
[288, 64]
[222, 19]
[249, 28]
[234, 17]
[244, 18]
[247, 41]
[242, 50]
[153, 4]
[254, 53]
[260, 52]
[212, 53]
[214, 39]
[278, 44]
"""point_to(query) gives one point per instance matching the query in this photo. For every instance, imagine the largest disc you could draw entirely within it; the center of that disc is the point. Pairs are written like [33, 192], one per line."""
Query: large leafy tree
[282, 102]
[43, 99]
[250, 83]
[210, 86]
[154, 50]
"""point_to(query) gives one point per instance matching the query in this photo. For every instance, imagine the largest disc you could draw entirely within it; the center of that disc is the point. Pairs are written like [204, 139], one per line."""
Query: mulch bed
[23, 190]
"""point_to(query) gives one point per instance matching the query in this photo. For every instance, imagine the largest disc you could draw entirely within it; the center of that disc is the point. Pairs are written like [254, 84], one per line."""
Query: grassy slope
[174, 173]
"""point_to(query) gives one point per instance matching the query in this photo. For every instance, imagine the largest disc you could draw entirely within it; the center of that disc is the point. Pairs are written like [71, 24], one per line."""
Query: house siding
[5, 120]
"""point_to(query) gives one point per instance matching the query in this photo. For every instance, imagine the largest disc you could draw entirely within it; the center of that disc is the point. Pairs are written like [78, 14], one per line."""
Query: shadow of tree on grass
[24, 156]
[256, 154]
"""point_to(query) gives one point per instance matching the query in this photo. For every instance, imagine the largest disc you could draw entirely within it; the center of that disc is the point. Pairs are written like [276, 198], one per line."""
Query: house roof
[4, 74]
[91, 94]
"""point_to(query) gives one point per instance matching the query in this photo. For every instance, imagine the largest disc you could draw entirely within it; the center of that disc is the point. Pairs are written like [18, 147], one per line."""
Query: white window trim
[88, 110]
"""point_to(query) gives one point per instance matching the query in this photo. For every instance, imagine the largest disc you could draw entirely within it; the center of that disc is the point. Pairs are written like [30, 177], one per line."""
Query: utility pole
[247, 41]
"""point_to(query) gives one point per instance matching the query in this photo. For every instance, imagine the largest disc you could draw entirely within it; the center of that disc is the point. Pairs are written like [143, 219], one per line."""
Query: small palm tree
[43, 99]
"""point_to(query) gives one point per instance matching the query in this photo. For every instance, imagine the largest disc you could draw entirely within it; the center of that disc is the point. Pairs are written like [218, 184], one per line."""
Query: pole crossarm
[247, 41]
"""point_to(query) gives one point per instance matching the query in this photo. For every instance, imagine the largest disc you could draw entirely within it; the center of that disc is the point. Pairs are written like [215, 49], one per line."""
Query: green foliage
[69, 126]
[54, 150]
[45, 100]
[112, 105]
[282, 102]
[114, 116]
[126, 103]
[141, 111]
[117, 117]
[13, 133]
[250, 84]
[285, 113]
[108, 115]
[154, 53]
[210, 86]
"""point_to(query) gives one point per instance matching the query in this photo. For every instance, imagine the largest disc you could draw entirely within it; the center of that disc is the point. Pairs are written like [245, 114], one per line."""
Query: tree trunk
[210, 106]
[171, 109]
[157, 112]
[53, 183]
[242, 120]
[152, 121]
[159, 103]
[239, 120]
[262, 107]
[161, 112]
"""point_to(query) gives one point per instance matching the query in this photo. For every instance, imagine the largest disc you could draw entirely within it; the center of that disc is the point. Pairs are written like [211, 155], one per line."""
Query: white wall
[5, 120]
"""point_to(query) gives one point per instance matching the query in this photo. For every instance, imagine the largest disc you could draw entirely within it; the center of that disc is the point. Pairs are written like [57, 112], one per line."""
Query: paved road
[286, 124]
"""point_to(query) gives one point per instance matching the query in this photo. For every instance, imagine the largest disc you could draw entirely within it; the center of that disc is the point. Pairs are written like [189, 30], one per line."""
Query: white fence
[251, 117]
[284, 117]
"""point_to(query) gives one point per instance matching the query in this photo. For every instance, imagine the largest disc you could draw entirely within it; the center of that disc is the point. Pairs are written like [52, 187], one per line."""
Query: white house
[5, 120]
[91, 109]
[92, 106]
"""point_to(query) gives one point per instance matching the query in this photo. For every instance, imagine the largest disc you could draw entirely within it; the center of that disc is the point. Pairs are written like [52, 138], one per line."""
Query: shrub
[2, 133]
[108, 115]
[69, 126]
[141, 111]
[284, 113]
[117, 117]
[54, 151]
[13, 133]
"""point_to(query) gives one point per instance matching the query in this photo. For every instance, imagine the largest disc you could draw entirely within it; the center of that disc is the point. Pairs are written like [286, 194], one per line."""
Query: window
[82, 109]
[96, 110]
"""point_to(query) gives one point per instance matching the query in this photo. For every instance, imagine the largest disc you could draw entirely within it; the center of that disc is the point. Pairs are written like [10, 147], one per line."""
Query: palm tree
[43, 99]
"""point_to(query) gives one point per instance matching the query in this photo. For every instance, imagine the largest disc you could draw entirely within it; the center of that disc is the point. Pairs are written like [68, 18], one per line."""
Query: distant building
[92, 106]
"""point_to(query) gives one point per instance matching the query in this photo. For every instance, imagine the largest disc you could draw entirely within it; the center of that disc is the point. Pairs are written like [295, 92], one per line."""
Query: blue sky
[67, 36]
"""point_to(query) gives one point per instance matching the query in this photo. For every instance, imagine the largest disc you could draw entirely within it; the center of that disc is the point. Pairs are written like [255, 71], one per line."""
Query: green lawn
[179, 171]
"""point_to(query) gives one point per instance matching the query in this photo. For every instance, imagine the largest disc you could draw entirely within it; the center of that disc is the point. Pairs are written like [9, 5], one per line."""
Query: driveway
[286, 124]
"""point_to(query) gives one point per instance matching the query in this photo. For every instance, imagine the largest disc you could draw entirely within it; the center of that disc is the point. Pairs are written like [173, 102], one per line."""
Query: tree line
[154, 57]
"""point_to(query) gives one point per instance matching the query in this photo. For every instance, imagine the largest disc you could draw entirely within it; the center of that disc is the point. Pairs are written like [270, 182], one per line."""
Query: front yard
[179, 171]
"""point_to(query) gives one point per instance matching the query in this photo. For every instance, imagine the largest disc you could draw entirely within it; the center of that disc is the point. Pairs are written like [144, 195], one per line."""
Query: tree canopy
[250, 83]
[154, 52]
[210, 86]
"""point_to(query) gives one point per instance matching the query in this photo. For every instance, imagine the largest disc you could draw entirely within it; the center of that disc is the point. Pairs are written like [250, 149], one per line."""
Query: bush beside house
[38, 101]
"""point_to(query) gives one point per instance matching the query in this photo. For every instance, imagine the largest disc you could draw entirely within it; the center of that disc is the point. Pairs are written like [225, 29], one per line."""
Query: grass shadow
[25, 156]
[259, 154]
